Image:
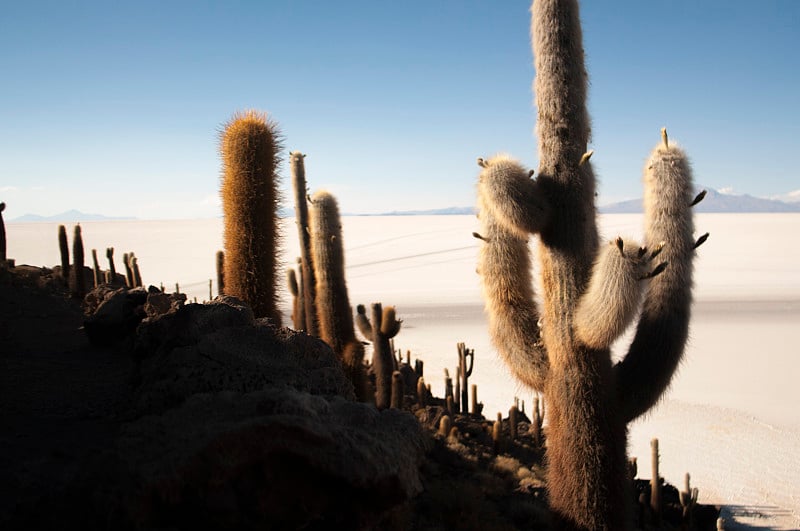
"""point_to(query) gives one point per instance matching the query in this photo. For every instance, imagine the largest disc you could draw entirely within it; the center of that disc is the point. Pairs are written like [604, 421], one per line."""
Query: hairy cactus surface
[383, 327]
[307, 276]
[590, 293]
[250, 147]
[334, 314]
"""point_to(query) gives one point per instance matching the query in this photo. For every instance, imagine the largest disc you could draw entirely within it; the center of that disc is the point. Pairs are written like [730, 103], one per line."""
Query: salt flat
[731, 418]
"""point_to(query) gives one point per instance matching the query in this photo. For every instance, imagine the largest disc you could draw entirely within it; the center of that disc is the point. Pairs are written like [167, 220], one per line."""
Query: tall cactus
[3, 256]
[307, 275]
[112, 271]
[464, 372]
[588, 298]
[78, 287]
[63, 248]
[335, 316]
[250, 147]
[379, 331]
[97, 273]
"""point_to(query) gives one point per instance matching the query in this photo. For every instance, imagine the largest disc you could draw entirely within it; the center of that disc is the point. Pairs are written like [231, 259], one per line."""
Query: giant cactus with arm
[590, 293]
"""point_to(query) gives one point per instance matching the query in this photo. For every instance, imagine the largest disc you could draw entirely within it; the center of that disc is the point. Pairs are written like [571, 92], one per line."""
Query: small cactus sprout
[111, 269]
[220, 263]
[448, 385]
[466, 361]
[397, 390]
[98, 275]
[444, 426]
[720, 524]
[63, 247]
[250, 147]
[3, 256]
[497, 433]
[78, 278]
[655, 481]
[383, 326]
[297, 317]
[422, 392]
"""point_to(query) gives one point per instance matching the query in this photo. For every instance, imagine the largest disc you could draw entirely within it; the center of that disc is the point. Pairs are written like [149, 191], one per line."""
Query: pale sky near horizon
[115, 108]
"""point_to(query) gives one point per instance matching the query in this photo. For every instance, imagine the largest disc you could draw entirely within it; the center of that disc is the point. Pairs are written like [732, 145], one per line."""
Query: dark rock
[275, 459]
[118, 314]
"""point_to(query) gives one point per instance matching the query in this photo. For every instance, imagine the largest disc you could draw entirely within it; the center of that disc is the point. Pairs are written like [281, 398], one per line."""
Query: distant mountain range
[715, 201]
[70, 216]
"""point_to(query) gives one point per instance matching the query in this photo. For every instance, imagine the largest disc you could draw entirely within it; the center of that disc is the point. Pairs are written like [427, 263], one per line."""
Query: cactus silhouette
[63, 247]
[220, 264]
[464, 372]
[335, 316]
[97, 273]
[78, 287]
[589, 294]
[250, 147]
[112, 271]
[3, 256]
[383, 326]
[307, 275]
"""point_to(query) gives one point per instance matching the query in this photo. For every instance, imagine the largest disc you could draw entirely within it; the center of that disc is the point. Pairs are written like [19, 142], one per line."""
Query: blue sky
[116, 107]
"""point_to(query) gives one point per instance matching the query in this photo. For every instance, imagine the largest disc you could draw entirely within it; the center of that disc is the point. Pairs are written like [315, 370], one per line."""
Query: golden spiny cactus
[250, 147]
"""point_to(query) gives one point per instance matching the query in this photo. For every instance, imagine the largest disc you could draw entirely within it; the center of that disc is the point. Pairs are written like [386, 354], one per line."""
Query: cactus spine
[564, 351]
[78, 278]
[464, 372]
[63, 248]
[307, 275]
[383, 326]
[331, 301]
[250, 147]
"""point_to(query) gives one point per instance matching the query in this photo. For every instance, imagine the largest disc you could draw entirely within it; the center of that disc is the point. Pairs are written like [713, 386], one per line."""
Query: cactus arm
[469, 354]
[2, 234]
[658, 346]
[615, 290]
[512, 197]
[505, 269]
[362, 321]
[390, 325]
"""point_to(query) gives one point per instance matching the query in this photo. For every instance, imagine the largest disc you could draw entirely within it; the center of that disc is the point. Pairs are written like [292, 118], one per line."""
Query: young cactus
[590, 295]
[383, 326]
[250, 147]
[335, 315]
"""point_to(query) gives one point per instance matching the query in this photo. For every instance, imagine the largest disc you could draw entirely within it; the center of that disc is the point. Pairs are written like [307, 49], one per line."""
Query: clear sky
[116, 107]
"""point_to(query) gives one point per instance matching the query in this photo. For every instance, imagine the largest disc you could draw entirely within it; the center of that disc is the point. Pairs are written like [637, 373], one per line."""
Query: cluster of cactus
[589, 297]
